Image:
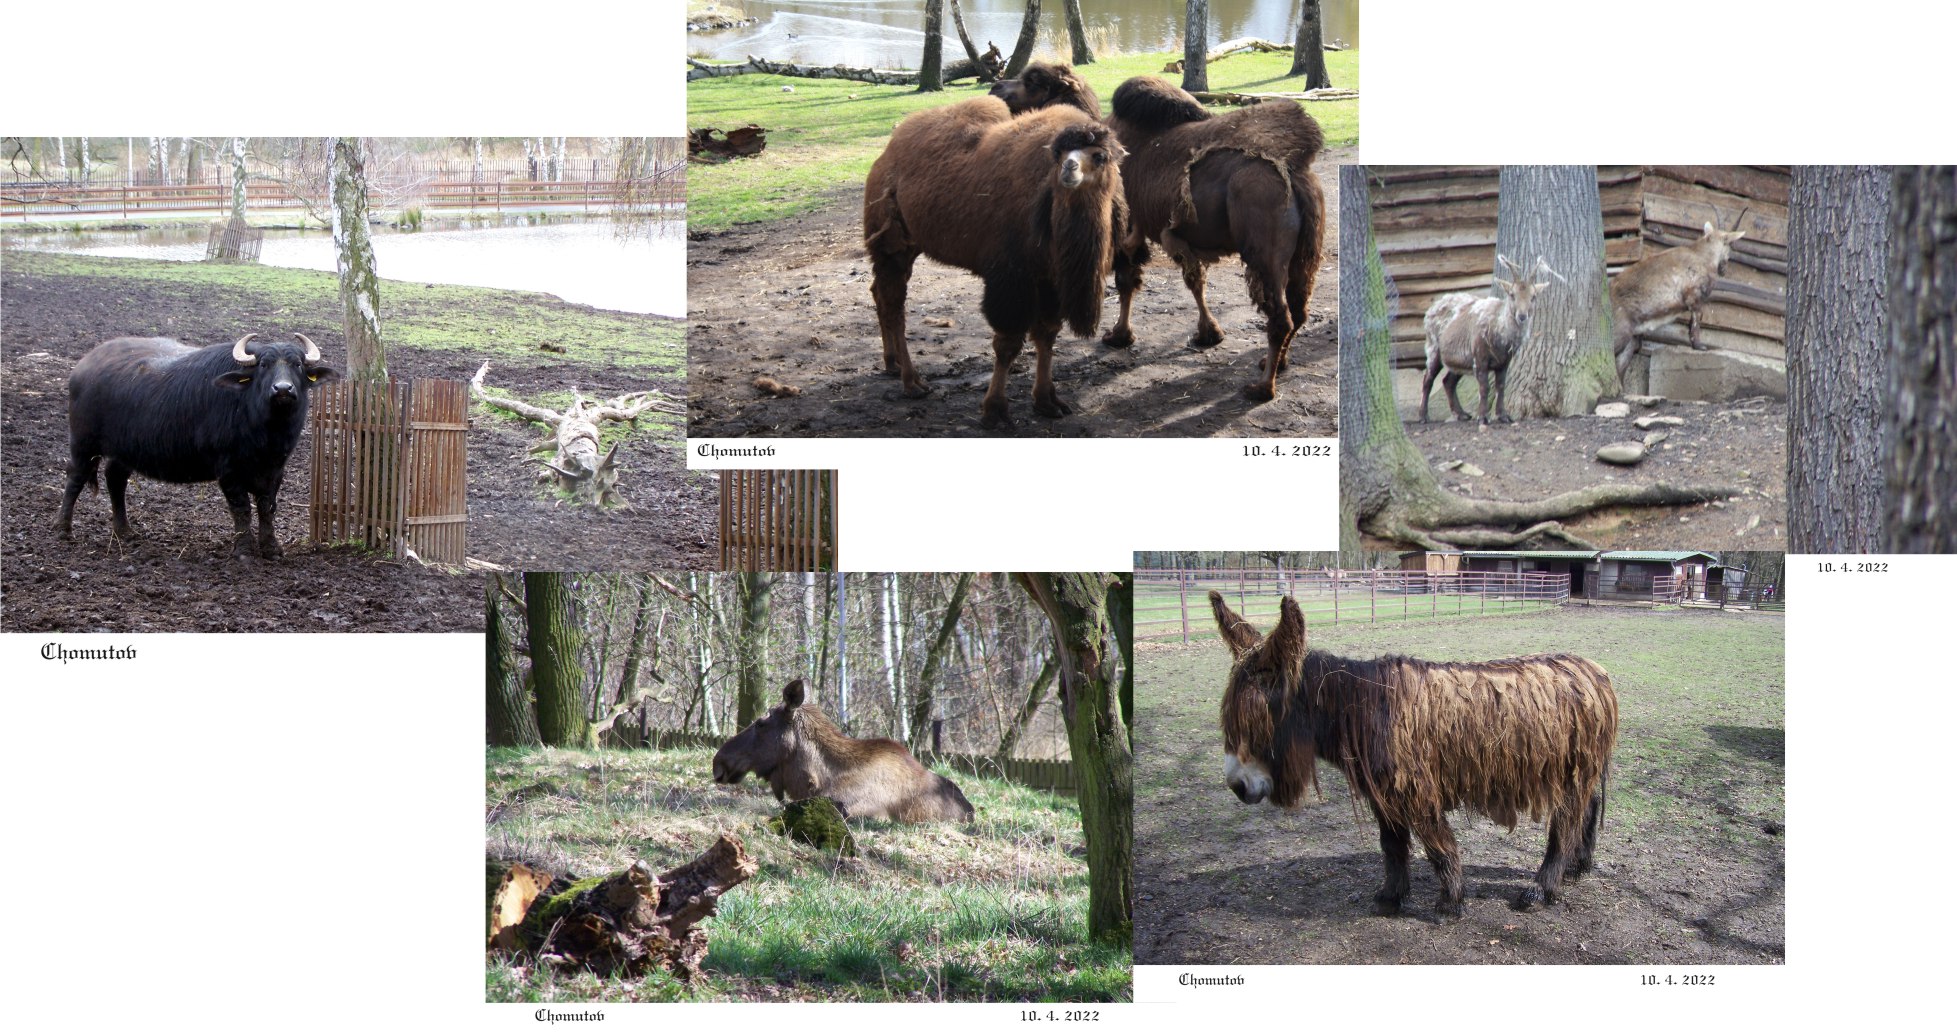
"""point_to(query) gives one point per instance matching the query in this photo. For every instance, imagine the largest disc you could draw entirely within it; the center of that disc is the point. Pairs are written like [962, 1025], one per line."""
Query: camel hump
[1147, 102]
[1279, 127]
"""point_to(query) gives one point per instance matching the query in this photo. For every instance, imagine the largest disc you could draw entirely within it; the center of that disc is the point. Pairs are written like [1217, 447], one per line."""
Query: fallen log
[1241, 45]
[580, 471]
[745, 142]
[986, 68]
[1330, 93]
[623, 924]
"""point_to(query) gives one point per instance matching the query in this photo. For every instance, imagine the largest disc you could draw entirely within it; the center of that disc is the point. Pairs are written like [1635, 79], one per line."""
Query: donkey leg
[1005, 348]
[1395, 843]
[1565, 831]
[1445, 856]
[1586, 852]
[1046, 400]
[890, 286]
[1129, 259]
[1451, 382]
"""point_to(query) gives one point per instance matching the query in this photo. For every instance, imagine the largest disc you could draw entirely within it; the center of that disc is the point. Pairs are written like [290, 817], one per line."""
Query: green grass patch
[484, 323]
[991, 912]
[823, 137]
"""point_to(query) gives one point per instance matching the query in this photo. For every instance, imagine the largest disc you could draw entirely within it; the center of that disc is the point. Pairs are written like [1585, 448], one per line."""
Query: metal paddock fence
[1174, 603]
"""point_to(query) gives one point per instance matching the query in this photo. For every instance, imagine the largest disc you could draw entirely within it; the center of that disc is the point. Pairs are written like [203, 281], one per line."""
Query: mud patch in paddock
[790, 300]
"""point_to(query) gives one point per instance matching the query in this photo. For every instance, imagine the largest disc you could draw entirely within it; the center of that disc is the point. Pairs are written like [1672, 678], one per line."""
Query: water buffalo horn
[312, 350]
[242, 357]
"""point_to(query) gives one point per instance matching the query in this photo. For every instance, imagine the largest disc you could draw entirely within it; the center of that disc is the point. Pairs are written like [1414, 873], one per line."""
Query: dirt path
[179, 574]
[1691, 857]
[791, 300]
[1741, 444]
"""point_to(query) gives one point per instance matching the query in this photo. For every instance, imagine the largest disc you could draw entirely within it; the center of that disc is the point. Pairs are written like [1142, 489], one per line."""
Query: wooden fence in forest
[1435, 227]
[777, 520]
[1053, 776]
[390, 467]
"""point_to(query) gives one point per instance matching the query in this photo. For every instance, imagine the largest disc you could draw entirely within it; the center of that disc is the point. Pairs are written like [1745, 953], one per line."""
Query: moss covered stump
[816, 821]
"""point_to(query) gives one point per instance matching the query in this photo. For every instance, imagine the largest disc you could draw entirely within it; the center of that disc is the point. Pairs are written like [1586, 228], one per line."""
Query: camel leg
[891, 283]
[1445, 856]
[1311, 247]
[1451, 382]
[1046, 400]
[1129, 259]
[1395, 842]
[1278, 329]
[1005, 348]
[1208, 334]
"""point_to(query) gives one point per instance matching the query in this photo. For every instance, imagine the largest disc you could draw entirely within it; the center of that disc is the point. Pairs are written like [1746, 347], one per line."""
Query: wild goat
[1416, 739]
[1649, 294]
[1469, 333]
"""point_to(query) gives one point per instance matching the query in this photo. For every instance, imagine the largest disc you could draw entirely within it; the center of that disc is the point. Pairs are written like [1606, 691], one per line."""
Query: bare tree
[512, 717]
[1553, 212]
[556, 639]
[1077, 34]
[930, 71]
[360, 298]
[1308, 54]
[753, 644]
[923, 692]
[1195, 46]
[1022, 50]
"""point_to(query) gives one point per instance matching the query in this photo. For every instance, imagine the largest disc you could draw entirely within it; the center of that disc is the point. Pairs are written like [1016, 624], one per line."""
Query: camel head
[1086, 154]
[1043, 85]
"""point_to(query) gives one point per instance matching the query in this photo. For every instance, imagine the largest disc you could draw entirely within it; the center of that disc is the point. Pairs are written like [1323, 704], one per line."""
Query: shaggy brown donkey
[1525, 736]
[800, 753]
[1207, 186]
[1031, 204]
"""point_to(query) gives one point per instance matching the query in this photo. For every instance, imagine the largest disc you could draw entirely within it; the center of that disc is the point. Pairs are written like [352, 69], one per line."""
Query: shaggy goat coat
[1415, 739]
[801, 754]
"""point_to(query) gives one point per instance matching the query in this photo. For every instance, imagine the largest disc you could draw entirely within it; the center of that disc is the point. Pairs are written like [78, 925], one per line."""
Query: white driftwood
[1329, 93]
[588, 477]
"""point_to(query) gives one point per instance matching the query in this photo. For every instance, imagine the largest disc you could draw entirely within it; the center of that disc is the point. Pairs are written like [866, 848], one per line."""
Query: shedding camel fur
[581, 472]
[1416, 739]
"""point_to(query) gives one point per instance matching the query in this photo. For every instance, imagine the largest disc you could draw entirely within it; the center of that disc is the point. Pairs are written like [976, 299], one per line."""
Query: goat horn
[312, 350]
[1741, 217]
[242, 357]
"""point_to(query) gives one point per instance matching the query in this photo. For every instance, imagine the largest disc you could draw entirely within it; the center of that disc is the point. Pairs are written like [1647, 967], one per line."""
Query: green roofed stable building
[1628, 575]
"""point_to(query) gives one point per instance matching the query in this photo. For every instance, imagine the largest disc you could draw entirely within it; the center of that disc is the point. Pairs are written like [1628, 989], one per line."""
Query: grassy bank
[823, 136]
[996, 911]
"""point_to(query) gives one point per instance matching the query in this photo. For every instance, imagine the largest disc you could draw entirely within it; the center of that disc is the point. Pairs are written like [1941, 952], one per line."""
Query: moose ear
[792, 694]
[1237, 632]
[1284, 648]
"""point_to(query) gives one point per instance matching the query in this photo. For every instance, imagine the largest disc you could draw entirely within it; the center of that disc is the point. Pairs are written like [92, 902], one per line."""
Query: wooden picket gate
[777, 520]
[390, 467]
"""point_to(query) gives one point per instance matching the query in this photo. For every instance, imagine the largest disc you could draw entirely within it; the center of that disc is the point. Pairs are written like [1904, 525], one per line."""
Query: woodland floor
[1741, 444]
[178, 575]
[1690, 859]
[791, 299]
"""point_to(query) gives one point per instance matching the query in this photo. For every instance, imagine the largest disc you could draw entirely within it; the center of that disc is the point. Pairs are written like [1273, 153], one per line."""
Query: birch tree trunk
[1195, 46]
[1922, 471]
[556, 639]
[1308, 53]
[1076, 606]
[360, 300]
[1566, 363]
[238, 178]
[1077, 34]
[1838, 349]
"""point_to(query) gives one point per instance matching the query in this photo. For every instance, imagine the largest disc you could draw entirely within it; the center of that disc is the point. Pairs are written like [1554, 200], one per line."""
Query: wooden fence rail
[1054, 776]
[54, 200]
[1173, 602]
[777, 520]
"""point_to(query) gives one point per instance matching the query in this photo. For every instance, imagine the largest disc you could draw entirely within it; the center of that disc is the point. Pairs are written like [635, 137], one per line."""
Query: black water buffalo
[175, 412]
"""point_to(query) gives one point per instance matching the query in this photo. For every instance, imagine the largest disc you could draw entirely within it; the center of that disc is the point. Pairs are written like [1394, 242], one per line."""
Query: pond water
[890, 33]
[581, 262]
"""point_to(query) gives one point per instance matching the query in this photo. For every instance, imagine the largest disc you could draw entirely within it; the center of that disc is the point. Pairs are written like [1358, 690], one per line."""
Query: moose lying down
[800, 753]
[1416, 739]
[174, 412]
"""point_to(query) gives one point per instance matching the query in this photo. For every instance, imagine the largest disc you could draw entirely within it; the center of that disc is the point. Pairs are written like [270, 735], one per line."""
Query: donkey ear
[1285, 647]
[1237, 632]
[792, 694]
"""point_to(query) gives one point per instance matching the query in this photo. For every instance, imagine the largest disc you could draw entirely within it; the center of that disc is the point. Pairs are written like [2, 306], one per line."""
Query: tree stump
[623, 924]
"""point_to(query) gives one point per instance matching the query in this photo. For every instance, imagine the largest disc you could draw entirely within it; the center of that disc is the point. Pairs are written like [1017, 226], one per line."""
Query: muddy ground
[179, 574]
[1690, 858]
[1741, 444]
[791, 300]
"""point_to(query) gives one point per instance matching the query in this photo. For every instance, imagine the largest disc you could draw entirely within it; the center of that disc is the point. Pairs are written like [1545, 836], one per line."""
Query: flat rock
[1655, 437]
[1472, 471]
[1614, 410]
[1646, 423]
[1624, 454]
[1647, 401]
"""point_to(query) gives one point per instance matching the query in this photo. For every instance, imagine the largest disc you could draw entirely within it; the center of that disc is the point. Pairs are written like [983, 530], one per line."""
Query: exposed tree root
[580, 471]
[1442, 520]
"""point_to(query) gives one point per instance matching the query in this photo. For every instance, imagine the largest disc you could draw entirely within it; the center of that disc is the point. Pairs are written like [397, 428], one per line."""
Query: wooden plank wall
[777, 520]
[1435, 226]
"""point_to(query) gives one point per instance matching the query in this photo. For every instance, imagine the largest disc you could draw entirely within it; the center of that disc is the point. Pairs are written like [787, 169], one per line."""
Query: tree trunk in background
[1077, 34]
[842, 651]
[555, 641]
[1566, 364]
[1837, 357]
[930, 71]
[1029, 34]
[512, 720]
[360, 298]
[753, 646]
[1121, 618]
[923, 691]
[1076, 606]
[238, 178]
[628, 680]
[1922, 470]
[1308, 55]
[1195, 46]
[475, 170]
[1035, 696]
